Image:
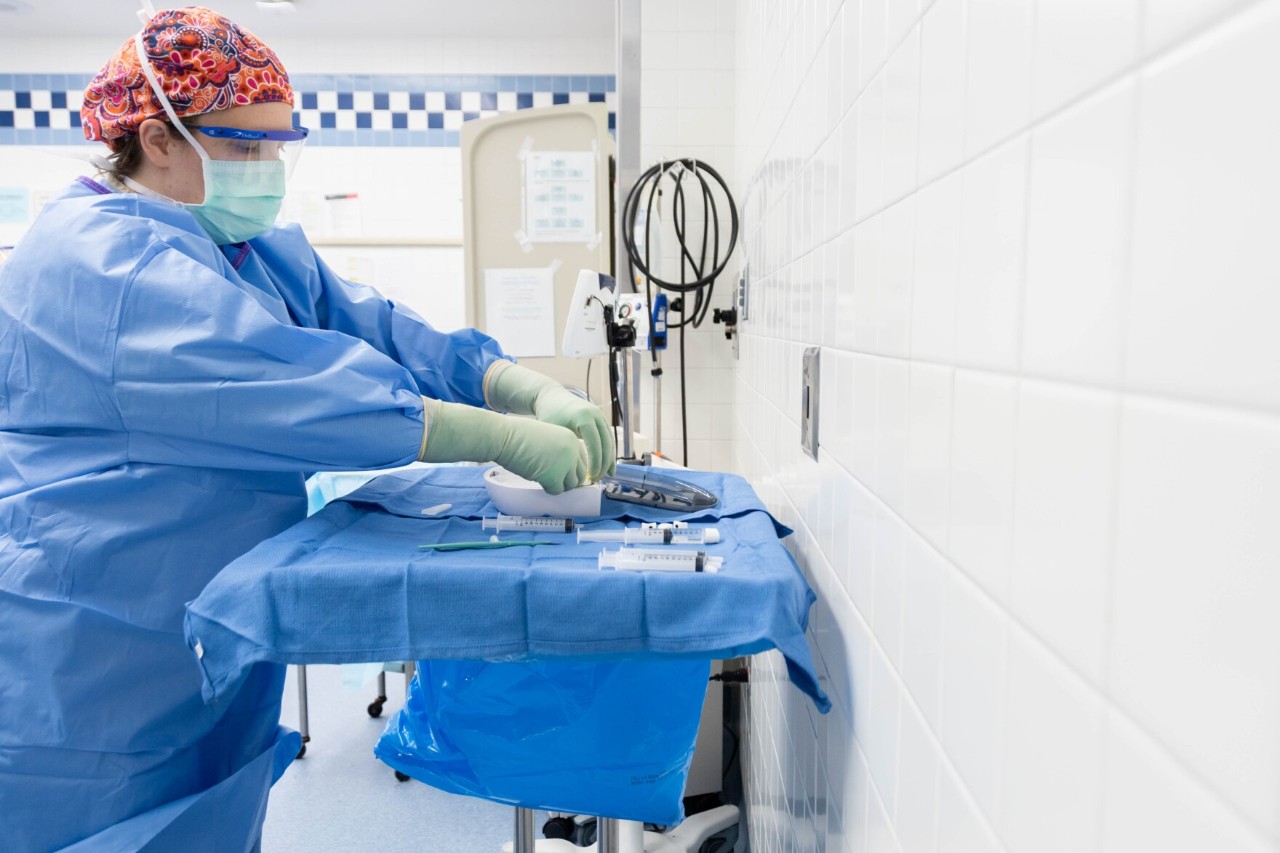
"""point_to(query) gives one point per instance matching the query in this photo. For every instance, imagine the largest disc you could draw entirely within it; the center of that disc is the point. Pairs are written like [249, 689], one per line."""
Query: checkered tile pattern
[44, 113]
[366, 110]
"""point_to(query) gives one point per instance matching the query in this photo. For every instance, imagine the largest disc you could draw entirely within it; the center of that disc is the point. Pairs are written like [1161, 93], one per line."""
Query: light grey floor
[340, 798]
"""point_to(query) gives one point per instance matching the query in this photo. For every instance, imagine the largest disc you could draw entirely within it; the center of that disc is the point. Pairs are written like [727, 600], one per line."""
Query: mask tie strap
[160, 95]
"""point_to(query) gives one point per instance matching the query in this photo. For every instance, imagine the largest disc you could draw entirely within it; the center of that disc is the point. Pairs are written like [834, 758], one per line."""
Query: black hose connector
[732, 676]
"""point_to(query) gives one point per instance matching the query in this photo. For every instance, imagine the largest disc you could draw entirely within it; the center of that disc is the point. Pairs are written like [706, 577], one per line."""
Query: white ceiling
[331, 18]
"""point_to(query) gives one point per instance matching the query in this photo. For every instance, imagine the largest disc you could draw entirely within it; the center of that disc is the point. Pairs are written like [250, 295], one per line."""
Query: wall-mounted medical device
[584, 327]
[601, 320]
[658, 324]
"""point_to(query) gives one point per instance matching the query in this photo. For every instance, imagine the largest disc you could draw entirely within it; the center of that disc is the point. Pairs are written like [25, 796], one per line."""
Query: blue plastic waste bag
[606, 739]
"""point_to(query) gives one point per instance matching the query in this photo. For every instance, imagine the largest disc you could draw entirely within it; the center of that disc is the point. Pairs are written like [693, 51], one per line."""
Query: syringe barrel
[628, 535]
[653, 559]
[653, 536]
[695, 536]
[649, 536]
[528, 523]
[600, 535]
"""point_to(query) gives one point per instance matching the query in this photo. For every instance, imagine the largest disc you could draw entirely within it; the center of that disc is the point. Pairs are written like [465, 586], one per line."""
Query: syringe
[528, 524]
[652, 535]
[658, 560]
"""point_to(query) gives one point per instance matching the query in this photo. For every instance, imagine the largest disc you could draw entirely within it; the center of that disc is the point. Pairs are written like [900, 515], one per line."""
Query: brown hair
[126, 153]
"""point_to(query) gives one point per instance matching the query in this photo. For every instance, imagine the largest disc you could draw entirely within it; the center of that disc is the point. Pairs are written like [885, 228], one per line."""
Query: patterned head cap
[204, 63]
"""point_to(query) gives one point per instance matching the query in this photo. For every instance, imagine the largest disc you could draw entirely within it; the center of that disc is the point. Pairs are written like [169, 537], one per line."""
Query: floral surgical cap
[204, 63]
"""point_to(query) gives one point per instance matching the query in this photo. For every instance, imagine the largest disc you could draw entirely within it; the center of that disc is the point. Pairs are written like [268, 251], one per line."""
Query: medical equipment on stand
[603, 321]
[643, 210]
[679, 533]
[528, 524]
[633, 309]
[658, 560]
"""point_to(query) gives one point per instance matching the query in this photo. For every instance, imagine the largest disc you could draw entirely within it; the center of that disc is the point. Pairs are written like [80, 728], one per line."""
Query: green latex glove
[545, 453]
[512, 388]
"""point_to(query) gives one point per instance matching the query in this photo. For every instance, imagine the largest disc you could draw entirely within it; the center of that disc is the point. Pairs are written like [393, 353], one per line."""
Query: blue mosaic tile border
[401, 110]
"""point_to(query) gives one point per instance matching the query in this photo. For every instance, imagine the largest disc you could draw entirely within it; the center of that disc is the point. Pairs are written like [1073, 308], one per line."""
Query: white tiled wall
[1037, 243]
[687, 110]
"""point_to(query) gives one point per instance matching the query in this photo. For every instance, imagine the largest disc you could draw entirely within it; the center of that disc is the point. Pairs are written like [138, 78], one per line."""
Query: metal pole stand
[304, 726]
[524, 837]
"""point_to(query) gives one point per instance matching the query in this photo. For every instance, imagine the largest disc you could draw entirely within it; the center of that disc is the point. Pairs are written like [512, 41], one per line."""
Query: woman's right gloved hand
[549, 455]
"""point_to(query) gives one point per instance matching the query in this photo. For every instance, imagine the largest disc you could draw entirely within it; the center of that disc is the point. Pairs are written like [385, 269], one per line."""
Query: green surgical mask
[241, 198]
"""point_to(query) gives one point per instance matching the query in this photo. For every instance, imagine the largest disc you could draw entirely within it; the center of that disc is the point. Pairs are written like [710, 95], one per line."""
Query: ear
[158, 142]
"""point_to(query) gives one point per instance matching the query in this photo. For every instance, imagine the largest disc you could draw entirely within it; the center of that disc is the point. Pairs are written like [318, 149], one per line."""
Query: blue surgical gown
[163, 398]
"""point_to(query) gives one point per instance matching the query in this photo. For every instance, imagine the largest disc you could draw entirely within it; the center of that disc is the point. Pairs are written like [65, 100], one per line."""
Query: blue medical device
[658, 326]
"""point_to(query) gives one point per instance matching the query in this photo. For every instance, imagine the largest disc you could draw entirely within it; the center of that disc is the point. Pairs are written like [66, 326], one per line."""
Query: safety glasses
[239, 143]
[227, 143]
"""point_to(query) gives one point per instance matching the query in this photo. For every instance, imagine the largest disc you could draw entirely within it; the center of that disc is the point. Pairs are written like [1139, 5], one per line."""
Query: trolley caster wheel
[301, 752]
[401, 777]
[722, 842]
[375, 707]
[558, 827]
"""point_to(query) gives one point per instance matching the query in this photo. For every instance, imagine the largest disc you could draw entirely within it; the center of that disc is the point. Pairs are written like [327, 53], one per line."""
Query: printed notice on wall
[560, 197]
[15, 204]
[519, 310]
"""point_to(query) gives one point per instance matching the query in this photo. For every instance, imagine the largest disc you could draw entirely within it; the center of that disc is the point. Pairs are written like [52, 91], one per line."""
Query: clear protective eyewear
[243, 144]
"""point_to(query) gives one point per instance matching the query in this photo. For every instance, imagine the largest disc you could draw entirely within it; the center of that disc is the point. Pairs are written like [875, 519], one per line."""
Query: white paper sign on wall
[560, 196]
[520, 310]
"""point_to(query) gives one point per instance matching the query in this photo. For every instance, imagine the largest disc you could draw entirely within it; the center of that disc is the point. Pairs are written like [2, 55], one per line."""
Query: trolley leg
[607, 835]
[524, 840]
[375, 707]
[303, 725]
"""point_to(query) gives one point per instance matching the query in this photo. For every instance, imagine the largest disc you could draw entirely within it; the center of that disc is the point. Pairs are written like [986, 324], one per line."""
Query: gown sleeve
[205, 375]
[448, 366]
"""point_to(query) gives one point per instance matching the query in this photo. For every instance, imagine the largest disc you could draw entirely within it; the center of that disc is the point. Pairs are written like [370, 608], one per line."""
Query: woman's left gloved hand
[512, 388]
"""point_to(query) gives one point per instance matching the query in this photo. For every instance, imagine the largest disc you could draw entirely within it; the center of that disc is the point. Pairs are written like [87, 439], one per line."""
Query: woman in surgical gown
[171, 367]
